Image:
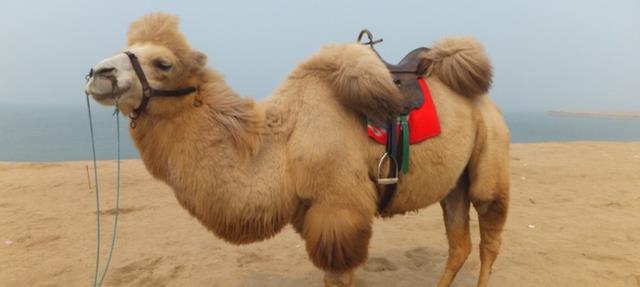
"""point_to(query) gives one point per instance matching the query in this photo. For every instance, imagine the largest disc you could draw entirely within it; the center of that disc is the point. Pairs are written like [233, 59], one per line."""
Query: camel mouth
[108, 99]
[104, 90]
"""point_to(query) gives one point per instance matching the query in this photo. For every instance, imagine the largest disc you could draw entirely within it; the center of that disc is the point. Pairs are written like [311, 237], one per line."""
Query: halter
[148, 91]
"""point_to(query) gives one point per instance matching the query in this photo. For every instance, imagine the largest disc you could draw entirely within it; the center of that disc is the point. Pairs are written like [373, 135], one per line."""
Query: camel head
[166, 60]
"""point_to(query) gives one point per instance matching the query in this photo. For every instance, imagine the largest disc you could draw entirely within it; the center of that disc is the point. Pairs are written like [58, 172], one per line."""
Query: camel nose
[103, 71]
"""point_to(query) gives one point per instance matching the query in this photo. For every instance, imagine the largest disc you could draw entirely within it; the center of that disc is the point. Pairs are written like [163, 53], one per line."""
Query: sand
[574, 221]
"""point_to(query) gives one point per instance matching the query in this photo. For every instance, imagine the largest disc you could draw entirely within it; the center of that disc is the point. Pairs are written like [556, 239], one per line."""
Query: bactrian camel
[302, 156]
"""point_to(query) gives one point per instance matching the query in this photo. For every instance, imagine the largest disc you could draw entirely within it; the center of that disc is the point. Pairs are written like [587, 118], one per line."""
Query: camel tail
[360, 81]
[461, 64]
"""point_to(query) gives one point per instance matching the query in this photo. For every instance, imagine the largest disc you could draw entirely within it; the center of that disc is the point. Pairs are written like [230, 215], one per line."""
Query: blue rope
[97, 283]
[117, 214]
[95, 176]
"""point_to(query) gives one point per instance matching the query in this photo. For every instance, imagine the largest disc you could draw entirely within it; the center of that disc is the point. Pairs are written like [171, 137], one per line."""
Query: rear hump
[462, 64]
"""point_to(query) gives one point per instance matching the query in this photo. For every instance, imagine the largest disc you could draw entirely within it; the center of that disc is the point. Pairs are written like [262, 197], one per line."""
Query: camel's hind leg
[491, 216]
[455, 209]
[489, 177]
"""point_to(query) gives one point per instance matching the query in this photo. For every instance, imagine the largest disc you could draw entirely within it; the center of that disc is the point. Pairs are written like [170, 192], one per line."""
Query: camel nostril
[102, 71]
[89, 76]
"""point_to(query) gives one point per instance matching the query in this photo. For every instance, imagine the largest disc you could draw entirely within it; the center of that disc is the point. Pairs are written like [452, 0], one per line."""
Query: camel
[302, 156]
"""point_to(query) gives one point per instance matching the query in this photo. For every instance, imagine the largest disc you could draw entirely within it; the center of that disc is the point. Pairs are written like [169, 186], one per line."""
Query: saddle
[406, 76]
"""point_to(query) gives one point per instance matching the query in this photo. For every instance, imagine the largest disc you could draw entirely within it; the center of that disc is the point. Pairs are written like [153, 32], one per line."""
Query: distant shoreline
[593, 114]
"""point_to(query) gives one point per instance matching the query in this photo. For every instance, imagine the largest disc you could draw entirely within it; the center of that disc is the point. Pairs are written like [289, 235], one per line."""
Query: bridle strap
[148, 91]
[138, 68]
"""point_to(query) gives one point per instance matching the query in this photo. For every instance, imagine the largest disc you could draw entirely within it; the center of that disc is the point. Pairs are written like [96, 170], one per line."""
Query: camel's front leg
[337, 240]
[333, 279]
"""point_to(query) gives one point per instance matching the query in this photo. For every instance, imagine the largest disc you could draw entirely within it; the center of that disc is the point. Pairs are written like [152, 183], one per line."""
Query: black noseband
[148, 91]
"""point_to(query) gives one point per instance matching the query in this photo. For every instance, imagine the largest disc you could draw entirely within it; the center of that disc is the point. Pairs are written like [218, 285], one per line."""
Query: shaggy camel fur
[302, 156]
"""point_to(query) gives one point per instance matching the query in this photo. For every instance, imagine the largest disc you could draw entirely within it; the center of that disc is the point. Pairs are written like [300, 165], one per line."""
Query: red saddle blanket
[423, 121]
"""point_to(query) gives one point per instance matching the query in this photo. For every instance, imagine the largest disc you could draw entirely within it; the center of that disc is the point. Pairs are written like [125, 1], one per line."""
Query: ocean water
[61, 133]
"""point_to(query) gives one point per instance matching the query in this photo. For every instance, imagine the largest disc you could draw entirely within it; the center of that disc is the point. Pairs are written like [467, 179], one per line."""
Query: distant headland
[595, 114]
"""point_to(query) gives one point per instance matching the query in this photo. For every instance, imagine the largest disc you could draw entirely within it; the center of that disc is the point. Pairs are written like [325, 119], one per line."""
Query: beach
[574, 220]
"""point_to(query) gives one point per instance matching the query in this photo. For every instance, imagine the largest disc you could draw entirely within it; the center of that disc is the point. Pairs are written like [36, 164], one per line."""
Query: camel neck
[220, 166]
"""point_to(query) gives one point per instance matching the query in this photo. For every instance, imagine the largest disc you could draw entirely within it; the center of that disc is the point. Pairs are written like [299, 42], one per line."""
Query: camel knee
[336, 240]
[490, 243]
[490, 248]
[462, 251]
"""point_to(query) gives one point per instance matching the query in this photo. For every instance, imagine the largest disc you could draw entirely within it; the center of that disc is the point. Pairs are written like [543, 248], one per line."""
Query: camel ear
[199, 60]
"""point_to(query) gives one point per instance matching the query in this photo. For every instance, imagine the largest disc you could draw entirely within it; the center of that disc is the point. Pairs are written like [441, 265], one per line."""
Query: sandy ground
[574, 221]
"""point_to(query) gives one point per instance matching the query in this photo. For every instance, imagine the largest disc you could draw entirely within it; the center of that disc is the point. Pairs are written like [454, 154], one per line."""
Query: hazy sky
[546, 54]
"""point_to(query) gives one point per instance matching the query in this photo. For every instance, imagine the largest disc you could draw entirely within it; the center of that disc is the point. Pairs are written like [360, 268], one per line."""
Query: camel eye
[162, 64]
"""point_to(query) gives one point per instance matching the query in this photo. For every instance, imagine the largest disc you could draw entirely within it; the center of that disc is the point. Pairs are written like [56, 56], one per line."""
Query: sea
[61, 132]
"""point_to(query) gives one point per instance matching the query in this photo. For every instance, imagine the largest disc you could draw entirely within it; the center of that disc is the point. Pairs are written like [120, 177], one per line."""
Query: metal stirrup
[387, 180]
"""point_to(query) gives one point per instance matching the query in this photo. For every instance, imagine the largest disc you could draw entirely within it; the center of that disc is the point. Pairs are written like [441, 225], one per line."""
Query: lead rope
[97, 283]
